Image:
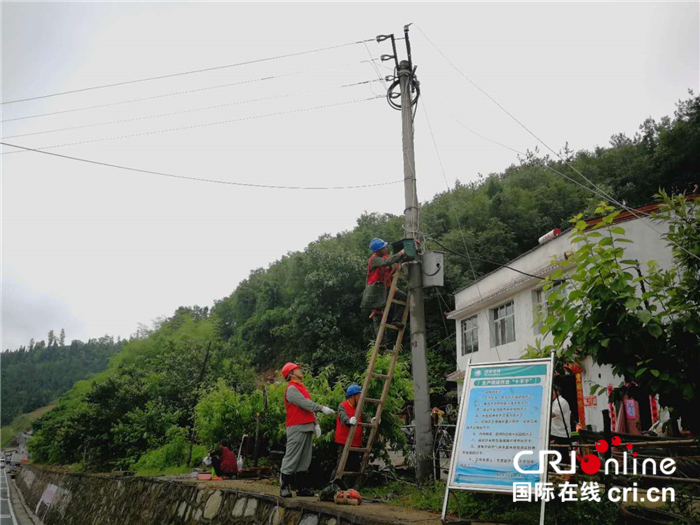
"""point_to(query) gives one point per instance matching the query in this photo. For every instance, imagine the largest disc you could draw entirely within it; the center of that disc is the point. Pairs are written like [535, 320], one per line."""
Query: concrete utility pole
[421, 388]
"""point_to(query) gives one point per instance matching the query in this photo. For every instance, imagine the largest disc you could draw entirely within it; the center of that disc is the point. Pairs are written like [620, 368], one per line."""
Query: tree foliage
[644, 322]
[305, 306]
[34, 377]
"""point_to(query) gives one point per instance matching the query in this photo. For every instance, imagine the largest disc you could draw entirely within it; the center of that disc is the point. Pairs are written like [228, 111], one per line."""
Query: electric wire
[499, 265]
[188, 91]
[203, 70]
[444, 323]
[513, 116]
[442, 340]
[609, 197]
[544, 164]
[459, 225]
[198, 179]
[373, 63]
[193, 110]
[196, 126]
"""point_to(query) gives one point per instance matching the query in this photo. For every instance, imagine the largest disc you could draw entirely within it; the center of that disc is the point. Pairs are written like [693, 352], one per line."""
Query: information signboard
[505, 409]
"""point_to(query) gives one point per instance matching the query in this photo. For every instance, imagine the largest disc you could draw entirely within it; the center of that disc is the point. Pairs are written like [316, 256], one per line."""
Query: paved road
[12, 510]
[7, 513]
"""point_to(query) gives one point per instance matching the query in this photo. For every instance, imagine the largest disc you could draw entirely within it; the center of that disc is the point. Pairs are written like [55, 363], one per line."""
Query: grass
[168, 471]
[490, 507]
[21, 423]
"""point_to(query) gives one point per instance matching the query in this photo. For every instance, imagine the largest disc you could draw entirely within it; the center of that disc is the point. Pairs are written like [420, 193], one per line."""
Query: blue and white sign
[505, 409]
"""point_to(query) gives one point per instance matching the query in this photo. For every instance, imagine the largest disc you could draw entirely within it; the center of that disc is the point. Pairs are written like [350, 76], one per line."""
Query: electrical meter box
[407, 245]
[433, 269]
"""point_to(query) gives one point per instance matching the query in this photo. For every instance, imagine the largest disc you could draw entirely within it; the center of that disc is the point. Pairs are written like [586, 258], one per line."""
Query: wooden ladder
[367, 448]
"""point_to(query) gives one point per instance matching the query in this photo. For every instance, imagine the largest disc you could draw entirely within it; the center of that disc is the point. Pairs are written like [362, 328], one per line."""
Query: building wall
[505, 285]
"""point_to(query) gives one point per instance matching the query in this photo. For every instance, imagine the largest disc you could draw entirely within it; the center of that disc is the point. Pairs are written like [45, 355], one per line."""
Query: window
[470, 335]
[540, 307]
[504, 324]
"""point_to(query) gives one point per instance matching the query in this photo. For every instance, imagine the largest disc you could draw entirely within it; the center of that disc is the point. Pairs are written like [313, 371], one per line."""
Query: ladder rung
[368, 425]
[380, 376]
[399, 302]
[358, 449]
[372, 400]
[349, 472]
[392, 327]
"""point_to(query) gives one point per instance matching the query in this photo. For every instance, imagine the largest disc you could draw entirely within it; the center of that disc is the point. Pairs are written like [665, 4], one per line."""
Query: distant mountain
[34, 376]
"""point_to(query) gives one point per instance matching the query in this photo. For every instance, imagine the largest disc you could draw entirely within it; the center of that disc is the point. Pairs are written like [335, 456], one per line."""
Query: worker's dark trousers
[216, 463]
[395, 312]
[351, 465]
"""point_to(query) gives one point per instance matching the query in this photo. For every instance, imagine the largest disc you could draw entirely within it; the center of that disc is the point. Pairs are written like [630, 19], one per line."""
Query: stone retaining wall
[89, 499]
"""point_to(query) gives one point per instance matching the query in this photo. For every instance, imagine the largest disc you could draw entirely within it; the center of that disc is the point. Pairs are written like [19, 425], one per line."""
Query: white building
[495, 315]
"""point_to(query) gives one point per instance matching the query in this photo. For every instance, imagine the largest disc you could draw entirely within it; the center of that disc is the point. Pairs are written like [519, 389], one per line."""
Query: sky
[96, 250]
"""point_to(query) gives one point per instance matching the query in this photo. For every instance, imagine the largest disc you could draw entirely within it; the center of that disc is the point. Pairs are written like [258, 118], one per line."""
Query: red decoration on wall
[654, 409]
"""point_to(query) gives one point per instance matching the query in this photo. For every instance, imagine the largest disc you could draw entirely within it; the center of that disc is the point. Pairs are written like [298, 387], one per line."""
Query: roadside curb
[20, 497]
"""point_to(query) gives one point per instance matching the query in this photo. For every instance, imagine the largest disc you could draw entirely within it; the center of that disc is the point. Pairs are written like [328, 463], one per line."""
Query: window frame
[541, 307]
[501, 323]
[473, 331]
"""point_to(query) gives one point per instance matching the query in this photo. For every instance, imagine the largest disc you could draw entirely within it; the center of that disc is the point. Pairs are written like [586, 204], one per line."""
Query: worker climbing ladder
[378, 346]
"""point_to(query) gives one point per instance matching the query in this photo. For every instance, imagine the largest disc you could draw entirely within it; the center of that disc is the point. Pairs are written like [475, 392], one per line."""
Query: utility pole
[410, 92]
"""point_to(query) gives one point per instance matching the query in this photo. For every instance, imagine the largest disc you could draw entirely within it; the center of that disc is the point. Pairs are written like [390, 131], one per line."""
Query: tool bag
[374, 296]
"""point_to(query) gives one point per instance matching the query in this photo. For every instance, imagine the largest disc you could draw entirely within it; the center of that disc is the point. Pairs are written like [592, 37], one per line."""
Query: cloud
[27, 313]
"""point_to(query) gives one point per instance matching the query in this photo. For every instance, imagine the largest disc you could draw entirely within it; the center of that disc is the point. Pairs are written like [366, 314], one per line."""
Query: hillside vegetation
[306, 307]
[20, 424]
[34, 376]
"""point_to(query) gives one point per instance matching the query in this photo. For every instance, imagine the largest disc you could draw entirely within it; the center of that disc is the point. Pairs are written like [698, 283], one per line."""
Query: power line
[197, 179]
[195, 126]
[610, 198]
[544, 164]
[186, 92]
[215, 68]
[456, 217]
[447, 184]
[493, 262]
[173, 113]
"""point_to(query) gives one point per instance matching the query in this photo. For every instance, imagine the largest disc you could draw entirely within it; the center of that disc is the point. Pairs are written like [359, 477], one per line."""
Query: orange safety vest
[383, 274]
[341, 431]
[296, 415]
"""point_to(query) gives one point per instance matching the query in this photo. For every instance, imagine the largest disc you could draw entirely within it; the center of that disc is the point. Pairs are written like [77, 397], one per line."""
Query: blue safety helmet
[377, 244]
[352, 390]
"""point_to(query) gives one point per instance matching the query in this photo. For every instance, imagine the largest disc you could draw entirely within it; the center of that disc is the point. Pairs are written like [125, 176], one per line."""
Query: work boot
[286, 489]
[303, 490]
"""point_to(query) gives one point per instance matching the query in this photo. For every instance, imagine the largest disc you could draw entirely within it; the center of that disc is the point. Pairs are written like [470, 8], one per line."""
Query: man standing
[301, 424]
[561, 419]
[347, 418]
[380, 269]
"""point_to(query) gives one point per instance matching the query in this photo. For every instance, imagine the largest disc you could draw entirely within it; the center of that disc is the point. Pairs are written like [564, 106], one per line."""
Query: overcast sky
[97, 250]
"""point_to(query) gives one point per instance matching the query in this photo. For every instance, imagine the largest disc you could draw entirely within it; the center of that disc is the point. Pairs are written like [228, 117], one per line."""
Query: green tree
[644, 322]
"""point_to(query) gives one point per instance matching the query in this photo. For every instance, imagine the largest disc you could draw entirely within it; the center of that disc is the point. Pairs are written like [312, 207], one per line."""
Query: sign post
[505, 409]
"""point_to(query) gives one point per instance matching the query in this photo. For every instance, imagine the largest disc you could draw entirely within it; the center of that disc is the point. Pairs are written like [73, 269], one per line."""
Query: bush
[171, 455]
[224, 413]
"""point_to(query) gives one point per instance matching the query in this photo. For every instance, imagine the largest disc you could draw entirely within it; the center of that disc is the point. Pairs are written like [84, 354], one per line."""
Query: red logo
[590, 463]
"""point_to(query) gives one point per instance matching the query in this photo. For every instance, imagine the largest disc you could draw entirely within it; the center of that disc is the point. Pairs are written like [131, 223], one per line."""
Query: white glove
[327, 411]
[353, 421]
[317, 429]
[375, 419]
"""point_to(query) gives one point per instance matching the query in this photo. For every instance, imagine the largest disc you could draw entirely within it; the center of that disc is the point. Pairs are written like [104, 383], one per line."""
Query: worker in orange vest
[301, 425]
[381, 268]
[348, 417]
